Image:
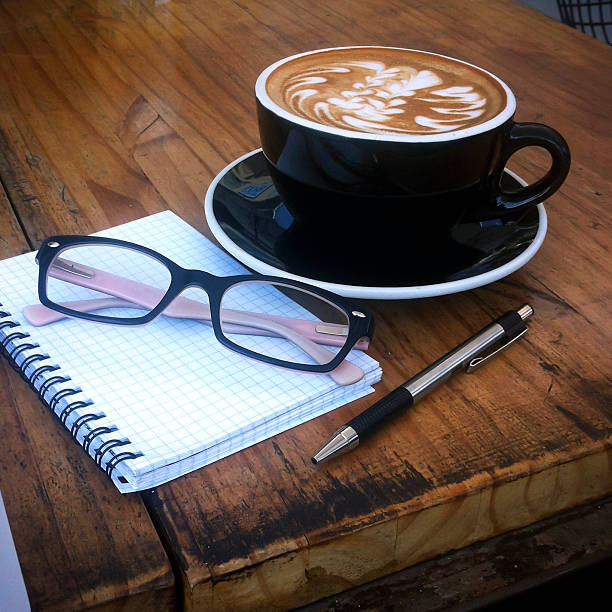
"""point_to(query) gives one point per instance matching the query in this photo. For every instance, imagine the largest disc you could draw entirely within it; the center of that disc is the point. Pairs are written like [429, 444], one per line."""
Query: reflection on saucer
[248, 217]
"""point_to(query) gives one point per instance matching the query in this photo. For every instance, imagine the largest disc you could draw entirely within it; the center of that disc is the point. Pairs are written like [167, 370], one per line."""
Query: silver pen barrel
[453, 361]
[460, 357]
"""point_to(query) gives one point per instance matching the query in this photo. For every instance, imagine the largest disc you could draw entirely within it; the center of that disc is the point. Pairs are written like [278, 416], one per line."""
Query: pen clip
[477, 362]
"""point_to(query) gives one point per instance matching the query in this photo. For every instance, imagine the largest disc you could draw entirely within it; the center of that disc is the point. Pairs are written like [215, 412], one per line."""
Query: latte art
[371, 97]
[385, 91]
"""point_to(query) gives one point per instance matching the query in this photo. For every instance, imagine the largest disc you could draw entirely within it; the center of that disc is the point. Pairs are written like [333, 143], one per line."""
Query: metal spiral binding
[19, 348]
[106, 447]
[82, 420]
[49, 382]
[94, 433]
[52, 403]
[117, 459]
[65, 413]
[10, 337]
[28, 361]
[31, 379]
[8, 323]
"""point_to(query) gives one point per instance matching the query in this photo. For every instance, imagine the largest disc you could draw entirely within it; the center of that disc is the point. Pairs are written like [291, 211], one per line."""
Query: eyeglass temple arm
[144, 295]
[39, 315]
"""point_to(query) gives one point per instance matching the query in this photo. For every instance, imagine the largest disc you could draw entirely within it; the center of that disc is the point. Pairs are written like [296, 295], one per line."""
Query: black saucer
[252, 222]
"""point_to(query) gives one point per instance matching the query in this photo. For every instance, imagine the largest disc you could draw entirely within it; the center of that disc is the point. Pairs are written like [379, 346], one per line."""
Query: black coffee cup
[379, 140]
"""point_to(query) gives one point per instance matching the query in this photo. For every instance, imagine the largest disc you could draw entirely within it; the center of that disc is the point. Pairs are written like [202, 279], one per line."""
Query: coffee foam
[378, 90]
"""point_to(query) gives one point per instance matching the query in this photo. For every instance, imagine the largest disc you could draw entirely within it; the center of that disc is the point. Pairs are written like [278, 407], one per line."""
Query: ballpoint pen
[470, 355]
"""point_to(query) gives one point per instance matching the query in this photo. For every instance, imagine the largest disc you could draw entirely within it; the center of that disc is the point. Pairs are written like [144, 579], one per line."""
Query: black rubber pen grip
[512, 323]
[369, 420]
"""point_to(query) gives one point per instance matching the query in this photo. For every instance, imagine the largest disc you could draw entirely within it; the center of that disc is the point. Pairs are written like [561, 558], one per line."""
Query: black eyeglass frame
[359, 320]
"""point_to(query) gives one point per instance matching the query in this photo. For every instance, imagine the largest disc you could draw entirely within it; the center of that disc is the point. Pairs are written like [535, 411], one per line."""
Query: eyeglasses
[275, 320]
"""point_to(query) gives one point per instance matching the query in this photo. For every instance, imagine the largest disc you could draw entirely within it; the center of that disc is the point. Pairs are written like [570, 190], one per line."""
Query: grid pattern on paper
[181, 398]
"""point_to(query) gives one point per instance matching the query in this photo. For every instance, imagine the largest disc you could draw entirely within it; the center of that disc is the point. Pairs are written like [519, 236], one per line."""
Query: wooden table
[111, 110]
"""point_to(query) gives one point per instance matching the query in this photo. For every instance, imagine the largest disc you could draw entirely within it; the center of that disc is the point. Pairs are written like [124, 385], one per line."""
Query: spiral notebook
[152, 403]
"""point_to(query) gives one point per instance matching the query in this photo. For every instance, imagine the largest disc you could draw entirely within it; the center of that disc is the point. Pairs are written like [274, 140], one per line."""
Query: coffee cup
[386, 140]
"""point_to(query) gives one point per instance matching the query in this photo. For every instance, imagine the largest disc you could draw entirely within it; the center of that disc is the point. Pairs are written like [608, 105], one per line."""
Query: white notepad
[179, 397]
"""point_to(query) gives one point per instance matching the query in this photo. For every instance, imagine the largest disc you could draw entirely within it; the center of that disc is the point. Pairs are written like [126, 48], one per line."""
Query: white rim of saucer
[365, 292]
[499, 119]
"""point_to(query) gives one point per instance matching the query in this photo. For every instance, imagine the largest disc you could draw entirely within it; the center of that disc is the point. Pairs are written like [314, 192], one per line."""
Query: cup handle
[535, 134]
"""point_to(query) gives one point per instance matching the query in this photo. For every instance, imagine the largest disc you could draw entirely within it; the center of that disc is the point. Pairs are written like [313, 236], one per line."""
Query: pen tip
[343, 440]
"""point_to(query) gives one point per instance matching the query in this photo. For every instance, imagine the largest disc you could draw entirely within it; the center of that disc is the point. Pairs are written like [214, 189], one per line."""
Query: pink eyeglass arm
[132, 293]
[38, 315]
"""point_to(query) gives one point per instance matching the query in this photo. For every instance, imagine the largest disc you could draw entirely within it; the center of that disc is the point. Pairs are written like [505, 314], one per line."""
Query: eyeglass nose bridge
[198, 277]
[181, 304]
[211, 285]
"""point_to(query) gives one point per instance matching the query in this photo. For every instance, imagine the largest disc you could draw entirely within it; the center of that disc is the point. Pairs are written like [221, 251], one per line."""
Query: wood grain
[12, 239]
[540, 565]
[111, 110]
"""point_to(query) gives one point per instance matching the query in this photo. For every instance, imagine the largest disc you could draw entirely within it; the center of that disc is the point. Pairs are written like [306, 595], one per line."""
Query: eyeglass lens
[281, 319]
[108, 280]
